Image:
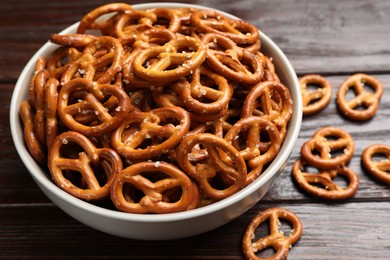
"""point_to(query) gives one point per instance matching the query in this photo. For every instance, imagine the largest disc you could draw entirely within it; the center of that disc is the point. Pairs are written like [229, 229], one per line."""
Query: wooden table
[333, 38]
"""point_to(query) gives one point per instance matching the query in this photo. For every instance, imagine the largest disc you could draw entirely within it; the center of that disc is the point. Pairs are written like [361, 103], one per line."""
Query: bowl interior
[285, 72]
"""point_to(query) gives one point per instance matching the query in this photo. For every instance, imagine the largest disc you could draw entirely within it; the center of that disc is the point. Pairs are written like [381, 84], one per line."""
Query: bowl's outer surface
[162, 226]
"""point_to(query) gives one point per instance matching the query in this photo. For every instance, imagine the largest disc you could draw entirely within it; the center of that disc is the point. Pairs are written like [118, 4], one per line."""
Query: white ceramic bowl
[160, 226]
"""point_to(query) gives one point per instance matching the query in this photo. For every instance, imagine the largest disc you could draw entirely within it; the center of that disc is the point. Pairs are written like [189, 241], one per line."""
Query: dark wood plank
[352, 231]
[333, 38]
[318, 36]
[329, 36]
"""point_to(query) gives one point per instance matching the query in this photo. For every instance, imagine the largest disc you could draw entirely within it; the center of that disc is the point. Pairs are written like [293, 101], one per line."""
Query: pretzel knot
[276, 237]
[271, 100]
[147, 187]
[173, 60]
[86, 175]
[93, 96]
[231, 61]
[100, 61]
[175, 93]
[378, 168]
[60, 60]
[150, 38]
[246, 136]
[143, 135]
[316, 100]
[205, 172]
[311, 182]
[365, 104]
[318, 150]
[207, 93]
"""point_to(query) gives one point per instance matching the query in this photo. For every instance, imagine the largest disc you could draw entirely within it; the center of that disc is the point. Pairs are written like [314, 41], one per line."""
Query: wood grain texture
[351, 231]
[327, 36]
[332, 38]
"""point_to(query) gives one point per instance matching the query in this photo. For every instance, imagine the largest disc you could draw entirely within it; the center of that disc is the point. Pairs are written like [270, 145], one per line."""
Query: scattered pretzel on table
[318, 150]
[316, 100]
[161, 110]
[317, 168]
[321, 184]
[378, 168]
[366, 99]
[276, 238]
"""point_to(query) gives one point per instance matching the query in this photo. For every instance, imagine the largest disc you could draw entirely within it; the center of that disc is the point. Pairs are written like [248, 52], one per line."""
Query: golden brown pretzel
[169, 95]
[100, 61]
[317, 151]
[251, 128]
[91, 19]
[315, 101]
[184, 54]
[271, 100]
[209, 21]
[310, 182]
[40, 65]
[153, 37]
[366, 99]
[33, 145]
[60, 60]
[231, 61]
[276, 238]
[144, 40]
[144, 178]
[91, 99]
[379, 169]
[164, 127]
[171, 19]
[51, 127]
[128, 25]
[207, 93]
[91, 186]
[39, 96]
[269, 70]
[204, 172]
[72, 40]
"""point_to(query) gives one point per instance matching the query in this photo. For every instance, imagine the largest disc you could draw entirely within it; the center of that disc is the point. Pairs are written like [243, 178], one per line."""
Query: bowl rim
[43, 179]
